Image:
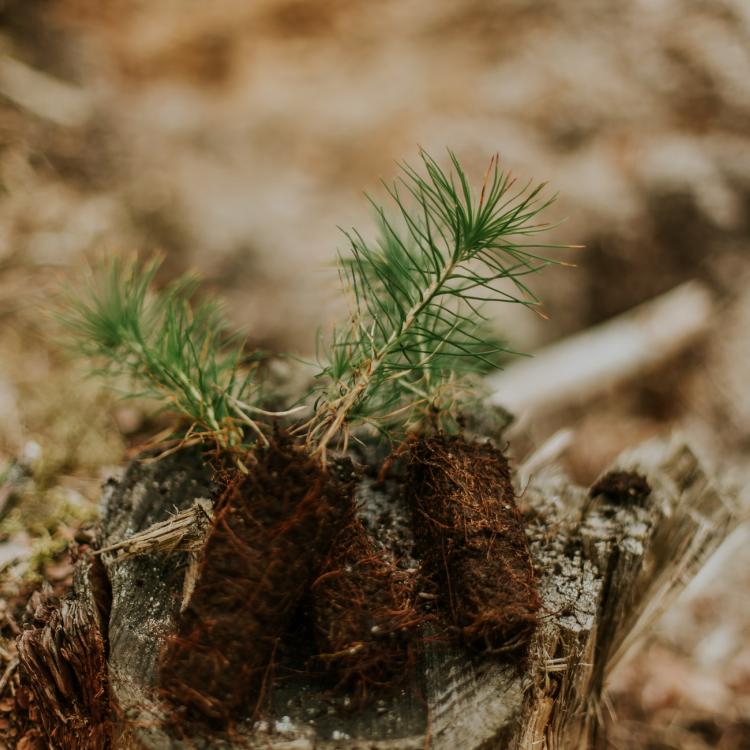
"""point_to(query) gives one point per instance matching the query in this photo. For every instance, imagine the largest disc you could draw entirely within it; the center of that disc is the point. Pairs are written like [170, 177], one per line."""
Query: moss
[49, 517]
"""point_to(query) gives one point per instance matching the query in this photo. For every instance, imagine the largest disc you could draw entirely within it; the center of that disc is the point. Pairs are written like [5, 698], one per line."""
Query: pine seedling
[420, 289]
[171, 348]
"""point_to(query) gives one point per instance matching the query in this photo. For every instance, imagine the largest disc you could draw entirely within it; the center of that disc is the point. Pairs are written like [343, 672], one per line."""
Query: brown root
[364, 613]
[270, 531]
[471, 537]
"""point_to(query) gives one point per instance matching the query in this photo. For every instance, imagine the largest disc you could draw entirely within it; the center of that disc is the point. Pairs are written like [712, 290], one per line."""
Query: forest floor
[235, 137]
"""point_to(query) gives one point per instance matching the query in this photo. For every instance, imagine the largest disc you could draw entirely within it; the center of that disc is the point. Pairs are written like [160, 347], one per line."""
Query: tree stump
[608, 564]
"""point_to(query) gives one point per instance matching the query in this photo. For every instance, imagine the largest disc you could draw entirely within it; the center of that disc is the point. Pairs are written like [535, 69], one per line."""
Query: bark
[62, 652]
[606, 568]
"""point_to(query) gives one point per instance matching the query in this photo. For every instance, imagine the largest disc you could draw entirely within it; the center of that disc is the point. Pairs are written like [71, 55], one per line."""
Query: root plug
[271, 530]
[471, 537]
[364, 613]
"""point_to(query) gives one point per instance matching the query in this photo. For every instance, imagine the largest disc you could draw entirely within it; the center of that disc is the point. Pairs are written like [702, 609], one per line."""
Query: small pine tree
[417, 335]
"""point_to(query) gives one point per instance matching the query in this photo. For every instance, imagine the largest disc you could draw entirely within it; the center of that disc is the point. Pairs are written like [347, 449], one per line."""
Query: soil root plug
[471, 537]
[365, 614]
[270, 532]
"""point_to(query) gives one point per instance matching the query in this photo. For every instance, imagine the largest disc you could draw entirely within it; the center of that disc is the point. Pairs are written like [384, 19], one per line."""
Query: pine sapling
[277, 507]
[169, 348]
[405, 364]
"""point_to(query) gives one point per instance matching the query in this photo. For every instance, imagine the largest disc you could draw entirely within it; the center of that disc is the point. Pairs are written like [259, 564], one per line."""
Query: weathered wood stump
[607, 565]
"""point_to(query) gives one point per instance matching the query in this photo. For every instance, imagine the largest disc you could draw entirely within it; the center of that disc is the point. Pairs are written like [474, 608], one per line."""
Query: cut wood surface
[607, 567]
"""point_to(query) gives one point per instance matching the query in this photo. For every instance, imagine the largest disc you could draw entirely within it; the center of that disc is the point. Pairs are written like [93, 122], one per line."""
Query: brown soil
[622, 487]
[271, 530]
[471, 537]
[364, 613]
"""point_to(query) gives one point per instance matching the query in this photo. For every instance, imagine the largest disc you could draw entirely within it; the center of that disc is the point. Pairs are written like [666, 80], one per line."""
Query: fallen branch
[44, 96]
[583, 366]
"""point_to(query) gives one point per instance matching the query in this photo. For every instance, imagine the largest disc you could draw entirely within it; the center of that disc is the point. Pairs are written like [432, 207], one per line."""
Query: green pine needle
[418, 328]
[176, 350]
[417, 336]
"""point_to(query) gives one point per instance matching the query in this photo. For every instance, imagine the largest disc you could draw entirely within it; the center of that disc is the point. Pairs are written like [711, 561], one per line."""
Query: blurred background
[236, 136]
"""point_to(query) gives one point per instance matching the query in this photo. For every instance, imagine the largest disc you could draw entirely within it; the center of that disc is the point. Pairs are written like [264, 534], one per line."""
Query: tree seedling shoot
[404, 367]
